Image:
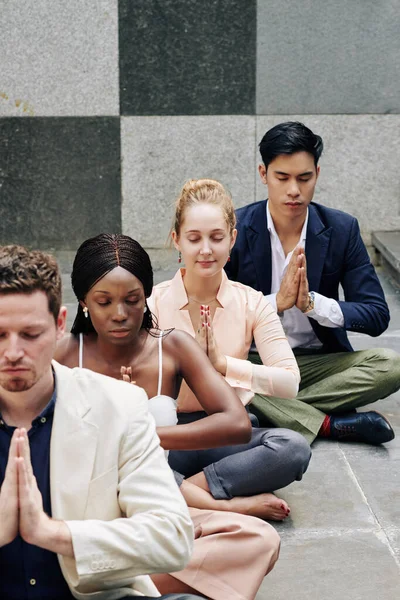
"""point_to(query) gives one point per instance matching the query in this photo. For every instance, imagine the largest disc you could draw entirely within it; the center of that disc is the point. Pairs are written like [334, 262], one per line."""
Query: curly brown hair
[24, 271]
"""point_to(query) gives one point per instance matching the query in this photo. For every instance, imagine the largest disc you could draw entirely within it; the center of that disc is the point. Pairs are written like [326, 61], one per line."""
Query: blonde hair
[204, 191]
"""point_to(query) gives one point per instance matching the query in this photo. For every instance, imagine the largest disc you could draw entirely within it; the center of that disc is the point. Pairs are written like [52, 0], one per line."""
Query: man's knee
[387, 365]
[268, 539]
[390, 357]
[257, 538]
[387, 356]
[265, 542]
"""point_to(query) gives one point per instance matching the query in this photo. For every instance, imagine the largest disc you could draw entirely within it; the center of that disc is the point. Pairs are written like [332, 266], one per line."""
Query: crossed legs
[331, 384]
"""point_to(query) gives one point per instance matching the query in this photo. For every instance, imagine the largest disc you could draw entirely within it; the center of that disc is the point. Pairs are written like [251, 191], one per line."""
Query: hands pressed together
[294, 285]
[205, 337]
[126, 375]
[21, 505]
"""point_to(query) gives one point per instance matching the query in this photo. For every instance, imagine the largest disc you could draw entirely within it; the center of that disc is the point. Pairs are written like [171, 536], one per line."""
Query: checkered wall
[107, 107]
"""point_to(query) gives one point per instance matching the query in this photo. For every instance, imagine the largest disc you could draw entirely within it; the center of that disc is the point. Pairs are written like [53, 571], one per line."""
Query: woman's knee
[299, 451]
[292, 447]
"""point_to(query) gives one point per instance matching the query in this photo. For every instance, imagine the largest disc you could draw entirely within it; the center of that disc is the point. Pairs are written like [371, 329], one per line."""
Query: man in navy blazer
[297, 253]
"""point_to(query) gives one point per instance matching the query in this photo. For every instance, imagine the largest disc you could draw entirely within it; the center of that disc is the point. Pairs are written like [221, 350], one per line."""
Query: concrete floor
[342, 539]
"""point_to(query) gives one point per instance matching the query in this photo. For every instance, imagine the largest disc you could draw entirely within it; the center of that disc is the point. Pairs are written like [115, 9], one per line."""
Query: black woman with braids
[112, 278]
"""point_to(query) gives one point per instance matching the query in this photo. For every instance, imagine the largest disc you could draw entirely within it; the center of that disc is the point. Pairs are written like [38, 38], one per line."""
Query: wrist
[40, 534]
[55, 536]
[310, 304]
[279, 306]
[283, 304]
[221, 365]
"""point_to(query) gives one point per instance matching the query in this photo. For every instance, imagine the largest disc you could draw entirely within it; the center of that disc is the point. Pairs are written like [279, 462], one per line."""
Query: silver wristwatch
[311, 302]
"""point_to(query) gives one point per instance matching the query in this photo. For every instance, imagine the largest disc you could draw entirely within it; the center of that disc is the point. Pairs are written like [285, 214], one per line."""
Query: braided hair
[98, 256]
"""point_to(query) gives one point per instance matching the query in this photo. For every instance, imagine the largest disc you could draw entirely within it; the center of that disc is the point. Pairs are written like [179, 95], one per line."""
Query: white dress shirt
[326, 311]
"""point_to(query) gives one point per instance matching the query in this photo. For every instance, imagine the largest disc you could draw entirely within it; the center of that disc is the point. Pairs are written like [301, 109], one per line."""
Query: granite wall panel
[59, 180]
[184, 57]
[59, 58]
[183, 75]
[328, 57]
[359, 166]
[160, 153]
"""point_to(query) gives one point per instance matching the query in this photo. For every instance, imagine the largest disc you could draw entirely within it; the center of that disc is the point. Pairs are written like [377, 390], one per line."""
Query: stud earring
[145, 309]
[179, 257]
[229, 258]
[86, 312]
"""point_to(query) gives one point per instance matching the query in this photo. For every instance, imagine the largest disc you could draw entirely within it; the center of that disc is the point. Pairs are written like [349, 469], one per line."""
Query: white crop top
[163, 408]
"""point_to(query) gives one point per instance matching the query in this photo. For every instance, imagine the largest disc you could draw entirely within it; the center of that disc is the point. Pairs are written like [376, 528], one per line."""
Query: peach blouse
[244, 314]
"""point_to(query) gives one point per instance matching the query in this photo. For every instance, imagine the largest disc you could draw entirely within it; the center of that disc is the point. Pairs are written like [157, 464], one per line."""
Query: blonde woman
[225, 317]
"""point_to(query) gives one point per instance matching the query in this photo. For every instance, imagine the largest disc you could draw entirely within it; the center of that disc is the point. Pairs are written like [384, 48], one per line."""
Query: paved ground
[342, 540]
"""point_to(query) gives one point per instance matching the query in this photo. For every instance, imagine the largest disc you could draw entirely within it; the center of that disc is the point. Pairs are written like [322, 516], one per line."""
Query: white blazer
[111, 483]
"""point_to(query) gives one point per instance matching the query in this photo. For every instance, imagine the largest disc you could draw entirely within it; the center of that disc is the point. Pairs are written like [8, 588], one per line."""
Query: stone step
[387, 246]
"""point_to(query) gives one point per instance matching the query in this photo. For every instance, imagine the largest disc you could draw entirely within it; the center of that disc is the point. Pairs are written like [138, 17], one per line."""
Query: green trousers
[330, 383]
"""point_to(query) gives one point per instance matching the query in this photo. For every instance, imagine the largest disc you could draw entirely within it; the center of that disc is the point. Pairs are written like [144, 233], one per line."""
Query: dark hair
[24, 271]
[288, 138]
[98, 256]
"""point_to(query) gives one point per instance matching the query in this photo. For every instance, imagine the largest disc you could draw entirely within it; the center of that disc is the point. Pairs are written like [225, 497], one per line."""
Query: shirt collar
[48, 410]
[179, 294]
[272, 230]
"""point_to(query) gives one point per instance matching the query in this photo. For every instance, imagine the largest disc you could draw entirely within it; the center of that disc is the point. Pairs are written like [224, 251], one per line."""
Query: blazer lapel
[259, 243]
[72, 449]
[317, 243]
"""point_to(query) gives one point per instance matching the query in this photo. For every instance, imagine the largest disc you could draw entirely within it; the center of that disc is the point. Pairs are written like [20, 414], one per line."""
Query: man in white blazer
[88, 504]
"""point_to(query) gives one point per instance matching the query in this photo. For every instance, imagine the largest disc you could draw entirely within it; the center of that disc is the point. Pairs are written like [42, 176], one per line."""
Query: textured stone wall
[107, 107]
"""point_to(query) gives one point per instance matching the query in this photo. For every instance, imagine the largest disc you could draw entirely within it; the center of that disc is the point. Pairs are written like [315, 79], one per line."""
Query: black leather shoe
[368, 427]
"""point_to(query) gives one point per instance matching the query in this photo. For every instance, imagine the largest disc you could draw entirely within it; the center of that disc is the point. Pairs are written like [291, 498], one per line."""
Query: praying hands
[205, 337]
[21, 505]
[294, 290]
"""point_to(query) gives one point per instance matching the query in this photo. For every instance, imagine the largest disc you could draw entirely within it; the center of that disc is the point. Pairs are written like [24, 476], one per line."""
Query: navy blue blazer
[335, 255]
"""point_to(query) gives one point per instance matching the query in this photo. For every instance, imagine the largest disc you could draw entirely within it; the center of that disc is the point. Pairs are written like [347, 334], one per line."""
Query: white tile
[59, 58]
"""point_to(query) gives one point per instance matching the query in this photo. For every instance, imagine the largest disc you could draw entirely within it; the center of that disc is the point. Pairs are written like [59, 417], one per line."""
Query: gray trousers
[273, 459]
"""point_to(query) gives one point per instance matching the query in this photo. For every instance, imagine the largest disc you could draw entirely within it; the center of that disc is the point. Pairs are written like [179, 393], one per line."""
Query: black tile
[60, 180]
[187, 57]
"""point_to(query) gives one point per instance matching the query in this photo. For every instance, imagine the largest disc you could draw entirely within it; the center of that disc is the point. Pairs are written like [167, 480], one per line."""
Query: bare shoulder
[66, 350]
[177, 343]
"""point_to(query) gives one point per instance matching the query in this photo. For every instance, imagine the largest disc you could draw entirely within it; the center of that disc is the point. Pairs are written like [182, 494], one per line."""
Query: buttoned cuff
[239, 372]
[326, 312]
[89, 564]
